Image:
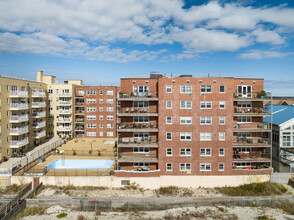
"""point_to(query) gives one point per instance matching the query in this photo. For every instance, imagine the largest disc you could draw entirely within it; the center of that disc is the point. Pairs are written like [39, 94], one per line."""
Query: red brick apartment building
[95, 111]
[192, 126]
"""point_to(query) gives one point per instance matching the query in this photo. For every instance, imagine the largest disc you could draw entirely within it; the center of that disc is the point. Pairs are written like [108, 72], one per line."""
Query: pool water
[76, 164]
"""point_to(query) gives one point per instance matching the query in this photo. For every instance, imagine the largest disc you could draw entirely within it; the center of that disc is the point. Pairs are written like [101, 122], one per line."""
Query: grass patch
[254, 189]
[61, 215]
[287, 207]
[12, 189]
[30, 211]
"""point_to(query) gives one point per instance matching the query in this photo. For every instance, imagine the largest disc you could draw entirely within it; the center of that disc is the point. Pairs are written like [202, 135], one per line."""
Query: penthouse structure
[193, 126]
[95, 111]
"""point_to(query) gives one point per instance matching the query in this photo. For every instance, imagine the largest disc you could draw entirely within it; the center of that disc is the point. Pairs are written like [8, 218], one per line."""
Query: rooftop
[280, 115]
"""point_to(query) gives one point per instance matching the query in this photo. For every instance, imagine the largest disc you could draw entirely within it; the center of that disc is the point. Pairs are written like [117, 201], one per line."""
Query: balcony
[38, 114]
[137, 96]
[137, 142]
[80, 103]
[64, 120]
[18, 118]
[64, 95]
[19, 131]
[80, 112]
[134, 127]
[64, 128]
[38, 94]
[252, 127]
[252, 96]
[19, 106]
[251, 111]
[39, 124]
[251, 141]
[252, 157]
[64, 112]
[137, 157]
[19, 143]
[144, 111]
[80, 128]
[256, 170]
[64, 103]
[38, 104]
[19, 94]
[38, 135]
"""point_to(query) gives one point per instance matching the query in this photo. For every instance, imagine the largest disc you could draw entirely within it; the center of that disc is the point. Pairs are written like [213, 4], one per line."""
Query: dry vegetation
[30, 211]
[12, 189]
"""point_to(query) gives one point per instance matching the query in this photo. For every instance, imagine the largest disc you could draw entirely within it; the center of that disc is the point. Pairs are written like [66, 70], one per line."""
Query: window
[205, 120]
[185, 136]
[91, 117]
[169, 120]
[221, 167]
[169, 105]
[169, 167]
[110, 126]
[185, 152]
[168, 136]
[205, 166]
[101, 92]
[221, 89]
[91, 101]
[186, 89]
[110, 117]
[186, 104]
[109, 101]
[222, 120]
[169, 151]
[186, 120]
[221, 152]
[244, 104]
[168, 88]
[91, 133]
[109, 134]
[101, 109]
[244, 119]
[110, 92]
[101, 134]
[141, 149]
[91, 109]
[91, 92]
[205, 152]
[222, 104]
[141, 164]
[50, 91]
[141, 104]
[185, 167]
[286, 139]
[205, 136]
[205, 89]
[222, 136]
[101, 117]
[140, 88]
[110, 109]
[91, 126]
[141, 119]
[101, 125]
[101, 101]
[205, 104]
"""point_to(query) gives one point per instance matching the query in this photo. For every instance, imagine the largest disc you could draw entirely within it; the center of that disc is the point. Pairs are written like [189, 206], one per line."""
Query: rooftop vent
[155, 76]
[186, 76]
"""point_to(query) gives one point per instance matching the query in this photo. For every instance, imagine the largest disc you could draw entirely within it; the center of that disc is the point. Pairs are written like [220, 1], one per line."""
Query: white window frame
[224, 89]
[109, 92]
[186, 136]
[223, 167]
[171, 136]
[185, 152]
[223, 152]
[186, 120]
[244, 119]
[169, 152]
[222, 136]
[169, 106]
[167, 167]
[205, 89]
[222, 118]
[168, 88]
[205, 104]
[186, 89]
[169, 120]
[205, 136]
[185, 167]
[222, 104]
[205, 152]
[205, 166]
[205, 120]
[185, 104]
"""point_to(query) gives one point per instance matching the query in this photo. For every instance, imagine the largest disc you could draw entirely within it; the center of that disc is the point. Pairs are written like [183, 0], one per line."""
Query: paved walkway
[33, 154]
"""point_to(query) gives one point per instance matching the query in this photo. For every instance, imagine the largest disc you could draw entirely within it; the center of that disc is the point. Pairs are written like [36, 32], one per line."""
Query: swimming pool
[76, 164]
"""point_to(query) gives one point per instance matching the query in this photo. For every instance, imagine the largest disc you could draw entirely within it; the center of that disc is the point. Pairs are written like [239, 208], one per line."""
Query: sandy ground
[205, 212]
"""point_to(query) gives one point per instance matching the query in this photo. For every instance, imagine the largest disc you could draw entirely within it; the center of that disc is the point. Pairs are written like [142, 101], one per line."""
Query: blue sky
[103, 41]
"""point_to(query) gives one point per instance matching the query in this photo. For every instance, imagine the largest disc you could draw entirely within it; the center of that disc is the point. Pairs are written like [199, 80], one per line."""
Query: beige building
[60, 105]
[22, 115]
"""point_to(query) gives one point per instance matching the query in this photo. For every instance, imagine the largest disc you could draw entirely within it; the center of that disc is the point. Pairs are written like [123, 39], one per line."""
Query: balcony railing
[80, 103]
[38, 94]
[252, 127]
[151, 110]
[138, 95]
[61, 128]
[254, 110]
[64, 94]
[138, 126]
[39, 114]
[137, 157]
[64, 111]
[39, 134]
[23, 94]
[19, 143]
[252, 95]
[251, 141]
[38, 104]
[64, 120]
[251, 156]
[19, 130]
[137, 141]
[19, 106]
[79, 128]
[39, 124]
[79, 112]
[18, 118]
[64, 103]
[80, 120]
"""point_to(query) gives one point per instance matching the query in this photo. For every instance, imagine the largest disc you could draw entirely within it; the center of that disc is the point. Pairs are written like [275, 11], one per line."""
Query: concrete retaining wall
[280, 177]
[145, 182]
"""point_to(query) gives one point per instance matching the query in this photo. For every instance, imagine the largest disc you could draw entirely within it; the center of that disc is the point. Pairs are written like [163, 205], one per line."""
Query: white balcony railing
[64, 95]
[38, 94]
[19, 106]
[38, 104]
[64, 128]
[64, 111]
[19, 93]
[19, 131]
[39, 124]
[64, 103]
[18, 118]
[19, 143]
[39, 114]
[64, 120]
[39, 134]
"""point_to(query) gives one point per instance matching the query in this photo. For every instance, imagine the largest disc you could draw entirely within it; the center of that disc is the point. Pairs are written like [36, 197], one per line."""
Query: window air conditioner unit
[189, 157]
[189, 110]
[189, 126]
[214, 81]
[201, 157]
[201, 141]
[201, 172]
[202, 110]
[189, 142]
[189, 94]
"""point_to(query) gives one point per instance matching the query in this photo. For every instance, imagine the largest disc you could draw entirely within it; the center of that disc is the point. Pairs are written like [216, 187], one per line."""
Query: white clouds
[83, 28]
[258, 54]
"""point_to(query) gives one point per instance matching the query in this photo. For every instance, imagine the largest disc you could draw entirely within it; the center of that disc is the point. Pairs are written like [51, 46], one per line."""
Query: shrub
[61, 215]
[81, 217]
[98, 212]
[168, 191]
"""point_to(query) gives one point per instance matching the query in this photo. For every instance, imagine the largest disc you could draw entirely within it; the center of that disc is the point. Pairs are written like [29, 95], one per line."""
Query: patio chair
[127, 109]
[132, 110]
